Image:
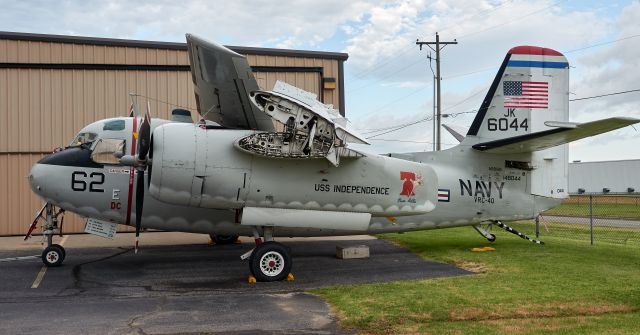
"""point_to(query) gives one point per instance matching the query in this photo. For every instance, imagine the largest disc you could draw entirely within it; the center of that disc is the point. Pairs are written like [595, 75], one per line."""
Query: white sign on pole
[101, 228]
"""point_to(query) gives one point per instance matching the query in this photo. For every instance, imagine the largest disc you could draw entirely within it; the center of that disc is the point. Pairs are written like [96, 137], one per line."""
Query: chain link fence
[594, 217]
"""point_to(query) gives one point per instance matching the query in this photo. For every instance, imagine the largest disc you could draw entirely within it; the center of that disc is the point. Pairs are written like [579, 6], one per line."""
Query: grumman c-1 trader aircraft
[277, 163]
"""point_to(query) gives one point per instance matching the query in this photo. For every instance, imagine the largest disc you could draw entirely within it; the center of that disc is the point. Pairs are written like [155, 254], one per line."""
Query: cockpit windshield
[108, 151]
[83, 138]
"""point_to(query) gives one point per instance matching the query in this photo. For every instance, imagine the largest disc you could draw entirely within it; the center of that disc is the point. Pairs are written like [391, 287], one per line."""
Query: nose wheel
[53, 255]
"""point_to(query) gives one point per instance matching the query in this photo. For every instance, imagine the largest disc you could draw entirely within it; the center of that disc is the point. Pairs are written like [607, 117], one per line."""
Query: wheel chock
[290, 277]
[251, 280]
[483, 249]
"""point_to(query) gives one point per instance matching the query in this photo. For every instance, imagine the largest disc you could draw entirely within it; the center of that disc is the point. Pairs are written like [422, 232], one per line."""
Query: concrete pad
[13, 243]
[189, 288]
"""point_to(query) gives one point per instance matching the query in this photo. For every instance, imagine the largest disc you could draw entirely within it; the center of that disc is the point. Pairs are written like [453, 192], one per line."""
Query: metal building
[604, 177]
[52, 85]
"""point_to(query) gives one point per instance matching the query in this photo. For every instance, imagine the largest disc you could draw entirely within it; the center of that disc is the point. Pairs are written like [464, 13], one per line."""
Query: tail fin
[526, 113]
[531, 87]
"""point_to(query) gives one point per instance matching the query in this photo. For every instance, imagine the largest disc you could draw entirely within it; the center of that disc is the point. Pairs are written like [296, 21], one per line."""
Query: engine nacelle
[192, 166]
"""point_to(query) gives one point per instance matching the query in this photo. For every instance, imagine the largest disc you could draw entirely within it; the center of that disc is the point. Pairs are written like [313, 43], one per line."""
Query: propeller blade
[139, 204]
[144, 137]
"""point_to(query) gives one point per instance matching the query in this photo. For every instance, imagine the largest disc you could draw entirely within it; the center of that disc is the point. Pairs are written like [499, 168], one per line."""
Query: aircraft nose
[36, 178]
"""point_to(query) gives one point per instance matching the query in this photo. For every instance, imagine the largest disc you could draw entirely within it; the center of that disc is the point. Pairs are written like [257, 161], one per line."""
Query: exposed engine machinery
[308, 128]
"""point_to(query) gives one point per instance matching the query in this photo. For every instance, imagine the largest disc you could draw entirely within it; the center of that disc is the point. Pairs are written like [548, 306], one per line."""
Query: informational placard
[101, 228]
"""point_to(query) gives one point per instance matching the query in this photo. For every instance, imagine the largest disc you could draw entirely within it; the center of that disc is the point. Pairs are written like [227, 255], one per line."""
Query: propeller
[141, 164]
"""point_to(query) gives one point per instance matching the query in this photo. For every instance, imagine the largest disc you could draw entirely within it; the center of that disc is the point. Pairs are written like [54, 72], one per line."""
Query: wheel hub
[52, 256]
[272, 263]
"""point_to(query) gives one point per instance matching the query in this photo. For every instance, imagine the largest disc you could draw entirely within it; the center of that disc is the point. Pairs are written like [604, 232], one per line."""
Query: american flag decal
[526, 94]
[443, 195]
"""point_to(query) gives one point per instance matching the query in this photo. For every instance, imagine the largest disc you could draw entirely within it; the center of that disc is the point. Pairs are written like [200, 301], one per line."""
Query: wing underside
[223, 81]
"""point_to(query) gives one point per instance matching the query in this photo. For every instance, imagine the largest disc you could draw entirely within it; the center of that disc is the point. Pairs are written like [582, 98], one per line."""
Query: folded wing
[222, 82]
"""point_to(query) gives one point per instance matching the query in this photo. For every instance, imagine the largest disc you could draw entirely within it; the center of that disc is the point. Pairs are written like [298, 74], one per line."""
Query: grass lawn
[602, 210]
[562, 287]
[579, 231]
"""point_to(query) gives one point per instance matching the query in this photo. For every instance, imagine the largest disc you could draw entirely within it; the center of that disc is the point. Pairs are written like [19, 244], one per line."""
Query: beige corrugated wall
[41, 109]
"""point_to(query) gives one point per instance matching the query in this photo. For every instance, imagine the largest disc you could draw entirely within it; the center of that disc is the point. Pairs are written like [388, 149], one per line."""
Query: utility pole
[437, 46]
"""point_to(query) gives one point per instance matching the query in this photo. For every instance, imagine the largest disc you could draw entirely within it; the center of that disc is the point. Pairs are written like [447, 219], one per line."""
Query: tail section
[531, 87]
[526, 113]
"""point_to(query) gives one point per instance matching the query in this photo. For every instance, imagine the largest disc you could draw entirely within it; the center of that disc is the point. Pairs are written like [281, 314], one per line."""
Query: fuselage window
[114, 125]
[108, 151]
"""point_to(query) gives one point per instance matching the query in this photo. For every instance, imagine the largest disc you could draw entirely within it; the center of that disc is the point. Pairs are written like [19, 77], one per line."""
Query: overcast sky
[387, 78]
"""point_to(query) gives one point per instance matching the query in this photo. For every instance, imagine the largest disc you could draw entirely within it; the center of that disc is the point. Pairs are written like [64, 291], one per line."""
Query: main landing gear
[223, 239]
[485, 230]
[269, 260]
[53, 254]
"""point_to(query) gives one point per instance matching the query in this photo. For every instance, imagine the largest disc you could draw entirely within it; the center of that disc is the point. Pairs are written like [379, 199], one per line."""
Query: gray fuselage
[471, 187]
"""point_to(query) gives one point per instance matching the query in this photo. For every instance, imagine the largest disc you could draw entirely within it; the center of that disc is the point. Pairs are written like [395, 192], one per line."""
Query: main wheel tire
[64, 252]
[224, 239]
[52, 255]
[270, 261]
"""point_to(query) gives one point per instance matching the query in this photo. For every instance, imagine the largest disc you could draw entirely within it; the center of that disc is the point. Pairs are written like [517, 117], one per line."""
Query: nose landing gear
[53, 254]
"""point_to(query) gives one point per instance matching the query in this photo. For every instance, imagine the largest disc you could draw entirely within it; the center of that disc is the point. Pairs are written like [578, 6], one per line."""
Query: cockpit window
[108, 151]
[114, 125]
[83, 138]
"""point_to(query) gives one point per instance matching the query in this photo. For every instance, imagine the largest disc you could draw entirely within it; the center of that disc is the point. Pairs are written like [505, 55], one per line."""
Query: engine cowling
[192, 166]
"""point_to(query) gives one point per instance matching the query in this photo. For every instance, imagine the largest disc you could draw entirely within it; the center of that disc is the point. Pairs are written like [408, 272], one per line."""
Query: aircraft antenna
[436, 46]
[134, 103]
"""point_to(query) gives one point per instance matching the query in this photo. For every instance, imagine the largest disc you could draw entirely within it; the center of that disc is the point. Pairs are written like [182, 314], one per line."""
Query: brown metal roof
[165, 45]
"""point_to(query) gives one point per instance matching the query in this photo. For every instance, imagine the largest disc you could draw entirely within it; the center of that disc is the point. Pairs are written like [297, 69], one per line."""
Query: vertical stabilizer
[530, 89]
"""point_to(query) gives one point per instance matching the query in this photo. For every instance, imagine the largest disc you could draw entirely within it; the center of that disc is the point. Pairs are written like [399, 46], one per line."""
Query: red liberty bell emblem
[407, 186]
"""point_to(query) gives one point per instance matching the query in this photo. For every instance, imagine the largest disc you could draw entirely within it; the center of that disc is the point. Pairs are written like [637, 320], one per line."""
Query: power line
[390, 74]
[402, 126]
[603, 43]
[400, 98]
[509, 22]
[384, 62]
[605, 95]
[406, 141]
[488, 10]
[429, 118]
[165, 102]
[387, 60]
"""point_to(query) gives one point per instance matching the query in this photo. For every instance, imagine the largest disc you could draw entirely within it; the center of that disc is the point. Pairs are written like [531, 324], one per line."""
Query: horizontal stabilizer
[454, 133]
[553, 137]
